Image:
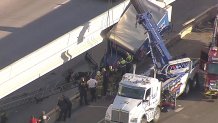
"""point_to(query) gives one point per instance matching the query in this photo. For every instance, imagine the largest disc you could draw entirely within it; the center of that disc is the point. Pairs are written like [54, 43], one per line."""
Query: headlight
[134, 120]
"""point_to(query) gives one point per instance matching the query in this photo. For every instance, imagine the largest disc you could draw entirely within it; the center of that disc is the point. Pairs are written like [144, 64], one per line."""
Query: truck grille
[120, 116]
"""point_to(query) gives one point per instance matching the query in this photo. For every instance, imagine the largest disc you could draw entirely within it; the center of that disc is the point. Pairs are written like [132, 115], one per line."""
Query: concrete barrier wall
[58, 51]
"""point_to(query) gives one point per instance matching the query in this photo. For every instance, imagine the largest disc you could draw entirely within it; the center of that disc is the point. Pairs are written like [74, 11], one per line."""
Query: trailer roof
[127, 34]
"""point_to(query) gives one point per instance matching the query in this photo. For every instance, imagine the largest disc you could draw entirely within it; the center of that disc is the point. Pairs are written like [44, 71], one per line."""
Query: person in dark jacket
[3, 117]
[69, 106]
[83, 87]
[63, 109]
[105, 75]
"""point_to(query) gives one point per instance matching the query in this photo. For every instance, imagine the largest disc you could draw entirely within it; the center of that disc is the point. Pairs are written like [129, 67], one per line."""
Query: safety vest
[129, 58]
[122, 63]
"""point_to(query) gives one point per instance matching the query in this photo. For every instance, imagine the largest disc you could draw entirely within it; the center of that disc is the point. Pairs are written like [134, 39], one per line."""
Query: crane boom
[159, 52]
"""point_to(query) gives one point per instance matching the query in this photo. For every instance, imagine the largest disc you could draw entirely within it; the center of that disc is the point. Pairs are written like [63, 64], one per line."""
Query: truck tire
[195, 82]
[144, 119]
[156, 115]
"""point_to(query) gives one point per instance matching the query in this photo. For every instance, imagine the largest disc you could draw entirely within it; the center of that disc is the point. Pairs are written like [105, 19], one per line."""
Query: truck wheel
[195, 82]
[156, 115]
[144, 119]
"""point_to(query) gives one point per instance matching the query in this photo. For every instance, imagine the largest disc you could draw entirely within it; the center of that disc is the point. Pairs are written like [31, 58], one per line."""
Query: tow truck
[210, 64]
[140, 97]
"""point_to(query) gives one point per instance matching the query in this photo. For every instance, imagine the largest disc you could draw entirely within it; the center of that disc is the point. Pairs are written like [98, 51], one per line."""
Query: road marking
[188, 22]
[56, 6]
[65, 2]
[93, 106]
[179, 109]
[100, 120]
[59, 5]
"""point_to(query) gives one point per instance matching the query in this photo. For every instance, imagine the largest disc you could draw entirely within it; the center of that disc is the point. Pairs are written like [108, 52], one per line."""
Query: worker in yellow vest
[122, 66]
[99, 87]
[129, 60]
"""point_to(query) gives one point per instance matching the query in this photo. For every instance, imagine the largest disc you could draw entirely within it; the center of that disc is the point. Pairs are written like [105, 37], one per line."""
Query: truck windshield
[131, 92]
[212, 68]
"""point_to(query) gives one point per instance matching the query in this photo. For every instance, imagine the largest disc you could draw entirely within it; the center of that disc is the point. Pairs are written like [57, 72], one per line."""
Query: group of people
[105, 82]
[65, 107]
[84, 86]
[95, 85]
[43, 118]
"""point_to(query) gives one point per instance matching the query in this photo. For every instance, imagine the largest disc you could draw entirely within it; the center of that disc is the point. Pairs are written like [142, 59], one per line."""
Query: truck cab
[137, 100]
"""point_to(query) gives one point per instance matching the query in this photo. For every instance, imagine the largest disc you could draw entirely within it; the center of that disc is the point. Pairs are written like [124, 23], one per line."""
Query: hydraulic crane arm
[160, 54]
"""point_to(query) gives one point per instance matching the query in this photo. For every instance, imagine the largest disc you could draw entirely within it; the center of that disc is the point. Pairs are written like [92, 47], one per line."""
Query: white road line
[179, 109]
[93, 106]
[61, 4]
[65, 2]
[56, 6]
[100, 120]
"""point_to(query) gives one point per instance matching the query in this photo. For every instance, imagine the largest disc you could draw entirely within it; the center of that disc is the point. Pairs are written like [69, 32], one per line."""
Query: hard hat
[98, 73]
[110, 67]
[103, 69]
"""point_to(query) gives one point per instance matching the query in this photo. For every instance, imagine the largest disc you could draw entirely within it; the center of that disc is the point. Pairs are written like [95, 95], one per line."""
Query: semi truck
[140, 98]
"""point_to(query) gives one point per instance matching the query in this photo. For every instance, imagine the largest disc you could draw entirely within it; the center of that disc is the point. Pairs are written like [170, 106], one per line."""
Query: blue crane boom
[160, 54]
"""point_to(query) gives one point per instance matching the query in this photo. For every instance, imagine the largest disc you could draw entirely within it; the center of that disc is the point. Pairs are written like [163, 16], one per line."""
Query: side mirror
[146, 99]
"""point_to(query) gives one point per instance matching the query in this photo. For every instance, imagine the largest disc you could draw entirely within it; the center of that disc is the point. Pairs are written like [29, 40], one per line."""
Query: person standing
[44, 118]
[63, 109]
[129, 60]
[83, 87]
[69, 106]
[92, 87]
[111, 81]
[105, 75]
[33, 120]
[122, 66]
[3, 117]
[99, 79]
